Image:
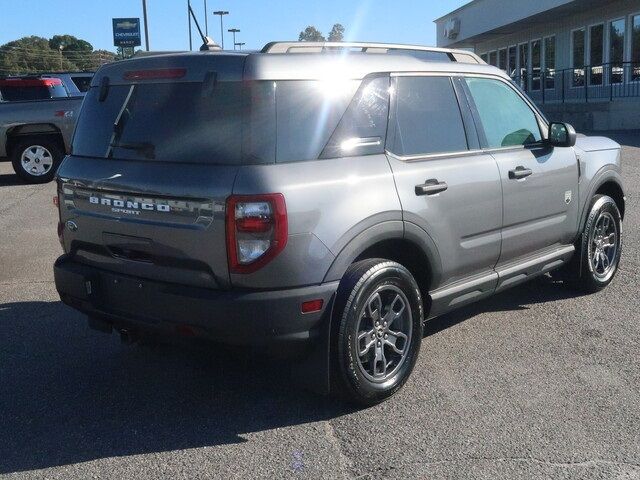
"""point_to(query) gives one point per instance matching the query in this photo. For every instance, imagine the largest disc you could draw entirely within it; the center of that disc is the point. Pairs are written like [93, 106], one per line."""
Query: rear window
[175, 122]
[18, 93]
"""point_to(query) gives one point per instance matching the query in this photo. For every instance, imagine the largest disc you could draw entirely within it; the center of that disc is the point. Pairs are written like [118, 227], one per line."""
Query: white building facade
[579, 60]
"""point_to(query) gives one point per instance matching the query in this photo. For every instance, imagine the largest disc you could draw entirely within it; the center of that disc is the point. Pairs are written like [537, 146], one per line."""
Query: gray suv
[323, 199]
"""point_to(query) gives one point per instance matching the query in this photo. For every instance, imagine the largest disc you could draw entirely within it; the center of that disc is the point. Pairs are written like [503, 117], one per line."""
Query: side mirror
[561, 135]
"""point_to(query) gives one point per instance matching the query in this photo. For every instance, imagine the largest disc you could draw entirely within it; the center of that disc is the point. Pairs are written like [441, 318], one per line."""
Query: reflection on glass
[550, 62]
[577, 38]
[616, 50]
[596, 50]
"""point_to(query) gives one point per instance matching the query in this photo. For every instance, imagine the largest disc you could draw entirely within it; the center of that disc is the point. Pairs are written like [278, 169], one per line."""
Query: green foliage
[337, 33]
[311, 34]
[30, 55]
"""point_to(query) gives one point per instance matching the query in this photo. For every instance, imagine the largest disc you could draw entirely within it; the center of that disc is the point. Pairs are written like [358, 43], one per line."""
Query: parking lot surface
[534, 383]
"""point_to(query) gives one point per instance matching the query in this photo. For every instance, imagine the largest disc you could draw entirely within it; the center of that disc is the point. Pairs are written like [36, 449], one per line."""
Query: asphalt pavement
[534, 383]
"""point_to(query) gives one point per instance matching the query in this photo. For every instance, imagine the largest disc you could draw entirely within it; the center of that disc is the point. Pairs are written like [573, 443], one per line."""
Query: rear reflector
[156, 74]
[312, 306]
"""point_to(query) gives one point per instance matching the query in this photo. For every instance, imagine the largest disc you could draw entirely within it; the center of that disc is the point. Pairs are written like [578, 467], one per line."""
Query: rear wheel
[36, 159]
[378, 322]
[601, 246]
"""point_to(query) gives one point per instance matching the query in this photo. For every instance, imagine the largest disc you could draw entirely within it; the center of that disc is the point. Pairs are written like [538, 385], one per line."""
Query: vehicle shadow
[10, 180]
[540, 290]
[70, 395]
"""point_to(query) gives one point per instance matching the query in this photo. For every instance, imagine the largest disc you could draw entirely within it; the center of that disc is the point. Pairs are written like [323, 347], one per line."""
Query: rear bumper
[238, 317]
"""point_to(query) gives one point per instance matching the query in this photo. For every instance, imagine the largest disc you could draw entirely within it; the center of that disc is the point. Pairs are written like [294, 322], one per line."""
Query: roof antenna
[207, 43]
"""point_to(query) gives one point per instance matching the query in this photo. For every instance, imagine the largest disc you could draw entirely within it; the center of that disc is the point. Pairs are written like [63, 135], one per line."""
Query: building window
[596, 53]
[484, 58]
[577, 54]
[492, 58]
[616, 51]
[512, 62]
[635, 48]
[523, 70]
[550, 62]
[536, 64]
[502, 59]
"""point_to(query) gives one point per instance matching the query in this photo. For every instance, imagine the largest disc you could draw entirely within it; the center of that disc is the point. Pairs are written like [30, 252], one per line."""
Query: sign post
[126, 33]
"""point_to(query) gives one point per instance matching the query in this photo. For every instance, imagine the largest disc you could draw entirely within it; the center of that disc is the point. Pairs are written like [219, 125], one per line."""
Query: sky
[260, 21]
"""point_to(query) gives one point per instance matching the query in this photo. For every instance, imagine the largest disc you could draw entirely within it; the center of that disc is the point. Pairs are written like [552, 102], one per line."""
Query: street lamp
[221, 13]
[234, 31]
[239, 44]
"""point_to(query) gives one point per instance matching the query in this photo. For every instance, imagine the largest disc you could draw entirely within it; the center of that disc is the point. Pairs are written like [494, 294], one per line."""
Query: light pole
[206, 20]
[61, 47]
[221, 13]
[189, 19]
[239, 44]
[234, 31]
[146, 28]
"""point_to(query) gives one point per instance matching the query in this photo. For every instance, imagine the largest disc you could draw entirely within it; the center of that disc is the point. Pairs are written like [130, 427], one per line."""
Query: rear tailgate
[164, 223]
[155, 154]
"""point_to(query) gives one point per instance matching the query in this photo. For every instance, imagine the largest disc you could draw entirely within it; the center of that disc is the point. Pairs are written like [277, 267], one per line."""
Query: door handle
[519, 172]
[431, 187]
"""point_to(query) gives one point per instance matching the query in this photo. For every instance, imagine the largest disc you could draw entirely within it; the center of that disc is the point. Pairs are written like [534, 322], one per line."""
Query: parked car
[76, 83]
[17, 89]
[324, 198]
[36, 134]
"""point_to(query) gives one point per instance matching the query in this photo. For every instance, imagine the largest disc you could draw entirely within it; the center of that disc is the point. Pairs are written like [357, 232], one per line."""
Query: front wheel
[378, 318]
[601, 246]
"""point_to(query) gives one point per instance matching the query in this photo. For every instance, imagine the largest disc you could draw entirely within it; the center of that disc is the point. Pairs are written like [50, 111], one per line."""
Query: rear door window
[427, 117]
[506, 118]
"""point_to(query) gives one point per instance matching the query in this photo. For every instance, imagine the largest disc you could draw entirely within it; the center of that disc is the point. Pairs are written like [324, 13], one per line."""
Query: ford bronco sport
[324, 196]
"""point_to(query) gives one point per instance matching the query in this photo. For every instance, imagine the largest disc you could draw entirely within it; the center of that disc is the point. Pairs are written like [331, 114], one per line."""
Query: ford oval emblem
[71, 225]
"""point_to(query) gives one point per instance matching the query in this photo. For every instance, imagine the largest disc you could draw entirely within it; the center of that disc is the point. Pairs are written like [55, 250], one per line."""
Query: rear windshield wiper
[148, 150]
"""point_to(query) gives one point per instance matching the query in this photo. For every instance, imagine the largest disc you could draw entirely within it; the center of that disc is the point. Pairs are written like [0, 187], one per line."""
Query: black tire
[362, 281]
[52, 153]
[585, 274]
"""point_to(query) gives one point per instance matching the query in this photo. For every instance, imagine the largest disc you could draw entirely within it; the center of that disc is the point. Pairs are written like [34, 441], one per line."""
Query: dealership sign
[126, 32]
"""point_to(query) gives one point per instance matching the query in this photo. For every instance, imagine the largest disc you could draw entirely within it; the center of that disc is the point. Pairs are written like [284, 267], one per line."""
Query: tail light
[256, 230]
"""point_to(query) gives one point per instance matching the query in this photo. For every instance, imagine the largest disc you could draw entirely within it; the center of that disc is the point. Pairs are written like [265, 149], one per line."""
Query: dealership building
[579, 60]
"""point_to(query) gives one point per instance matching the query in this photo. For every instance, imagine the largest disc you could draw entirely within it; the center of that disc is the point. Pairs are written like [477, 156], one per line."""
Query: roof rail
[461, 56]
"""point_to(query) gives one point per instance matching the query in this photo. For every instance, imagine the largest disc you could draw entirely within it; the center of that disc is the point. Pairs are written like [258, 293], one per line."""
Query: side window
[363, 127]
[307, 113]
[506, 118]
[427, 117]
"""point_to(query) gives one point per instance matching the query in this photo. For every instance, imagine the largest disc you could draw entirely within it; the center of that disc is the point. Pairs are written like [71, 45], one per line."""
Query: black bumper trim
[239, 317]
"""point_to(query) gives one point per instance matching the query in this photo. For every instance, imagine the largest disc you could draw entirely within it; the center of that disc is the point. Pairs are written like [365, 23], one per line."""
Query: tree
[31, 55]
[337, 33]
[311, 34]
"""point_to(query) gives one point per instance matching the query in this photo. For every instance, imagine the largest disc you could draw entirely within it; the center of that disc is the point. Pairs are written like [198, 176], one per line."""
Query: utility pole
[240, 44]
[146, 27]
[234, 31]
[189, 19]
[206, 20]
[221, 13]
